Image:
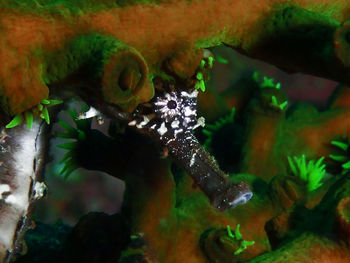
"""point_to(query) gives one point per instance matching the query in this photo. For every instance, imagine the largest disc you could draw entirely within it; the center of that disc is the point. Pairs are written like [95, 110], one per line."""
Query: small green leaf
[206, 132]
[55, 102]
[67, 156]
[319, 161]
[202, 64]
[274, 102]
[283, 105]
[70, 130]
[239, 250]
[29, 119]
[17, 120]
[199, 76]
[45, 101]
[229, 232]
[81, 135]
[45, 114]
[68, 146]
[202, 85]
[40, 107]
[210, 62]
[237, 233]
[221, 60]
[67, 169]
[346, 165]
[73, 114]
[267, 83]
[256, 76]
[341, 145]
[248, 243]
[338, 158]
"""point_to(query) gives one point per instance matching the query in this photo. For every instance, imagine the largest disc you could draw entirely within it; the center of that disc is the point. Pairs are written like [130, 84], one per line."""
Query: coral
[310, 172]
[284, 191]
[130, 61]
[97, 37]
[343, 219]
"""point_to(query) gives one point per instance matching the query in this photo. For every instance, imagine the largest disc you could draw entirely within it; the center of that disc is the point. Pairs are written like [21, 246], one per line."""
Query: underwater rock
[341, 43]
[44, 242]
[218, 247]
[285, 190]
[343, 219]
[284, 226]
[340, 97]
[277, 228]
[306, 248]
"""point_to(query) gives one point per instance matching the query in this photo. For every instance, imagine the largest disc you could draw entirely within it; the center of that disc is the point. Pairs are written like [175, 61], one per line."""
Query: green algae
[68, 7]
[56, 7]
[92, 51]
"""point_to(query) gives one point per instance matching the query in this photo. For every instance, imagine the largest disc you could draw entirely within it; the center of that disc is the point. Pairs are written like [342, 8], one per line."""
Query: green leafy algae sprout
[311, 172]
[237, 236]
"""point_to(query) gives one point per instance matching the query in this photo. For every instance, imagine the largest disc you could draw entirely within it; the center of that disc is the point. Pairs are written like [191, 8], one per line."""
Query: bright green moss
[91, 51]
[60, 7]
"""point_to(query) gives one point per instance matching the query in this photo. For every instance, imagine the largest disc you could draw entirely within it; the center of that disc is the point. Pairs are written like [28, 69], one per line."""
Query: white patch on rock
[162, 130]
[188, 111]
[175, 124]
[193, 159]
[132, 123]
[12, 200]
[39, 190]
[145, 120]
[177, 131]
[92, 112]
[200, 122]
[193, 94]
[187, 120]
